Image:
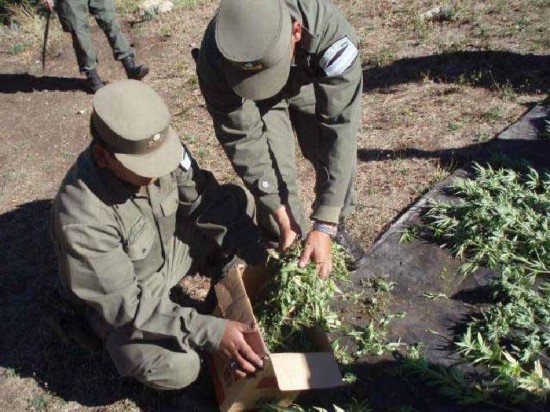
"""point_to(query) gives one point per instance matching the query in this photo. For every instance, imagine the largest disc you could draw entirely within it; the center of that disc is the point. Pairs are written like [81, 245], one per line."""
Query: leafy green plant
[11, 373]
[500, 220]
[354, 406]
[494, 113]
[297, 300]
[16, 48]
[453, 126]
[449, 381]
[435, 295]
[448, 12]
[381, 285]
[39, 402]
[371, 340]
[545, 134]
[481, 137]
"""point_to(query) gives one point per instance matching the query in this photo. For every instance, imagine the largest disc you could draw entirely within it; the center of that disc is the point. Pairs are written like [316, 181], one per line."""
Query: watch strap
[330, 230]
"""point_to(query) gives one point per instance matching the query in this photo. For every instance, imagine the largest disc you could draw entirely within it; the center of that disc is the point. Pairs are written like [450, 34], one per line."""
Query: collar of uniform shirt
[106, 185]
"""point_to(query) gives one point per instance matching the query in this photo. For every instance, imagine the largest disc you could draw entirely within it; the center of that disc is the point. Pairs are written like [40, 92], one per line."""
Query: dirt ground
[435, 90]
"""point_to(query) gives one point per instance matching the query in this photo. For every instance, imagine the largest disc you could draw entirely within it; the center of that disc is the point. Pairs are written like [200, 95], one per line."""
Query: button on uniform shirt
[326, 57]
[116, 247]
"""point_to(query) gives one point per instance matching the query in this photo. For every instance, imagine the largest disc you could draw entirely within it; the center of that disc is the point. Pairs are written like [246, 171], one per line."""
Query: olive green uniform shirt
[117, 248]
[239, 123]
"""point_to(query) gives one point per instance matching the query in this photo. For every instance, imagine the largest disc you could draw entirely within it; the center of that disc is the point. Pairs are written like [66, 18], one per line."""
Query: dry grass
[30, 34]
[435, 91]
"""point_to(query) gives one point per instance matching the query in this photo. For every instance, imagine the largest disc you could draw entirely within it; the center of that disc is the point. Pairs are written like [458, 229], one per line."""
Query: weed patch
[493, 114]
[354, 406]
[500, 220]
[297, 301]
[545, 134]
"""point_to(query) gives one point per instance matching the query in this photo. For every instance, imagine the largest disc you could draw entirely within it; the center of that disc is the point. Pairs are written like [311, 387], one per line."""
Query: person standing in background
[73, 15]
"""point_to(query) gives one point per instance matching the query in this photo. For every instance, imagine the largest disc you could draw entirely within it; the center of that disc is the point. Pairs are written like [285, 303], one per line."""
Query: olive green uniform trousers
[160, 364]
[74, 14]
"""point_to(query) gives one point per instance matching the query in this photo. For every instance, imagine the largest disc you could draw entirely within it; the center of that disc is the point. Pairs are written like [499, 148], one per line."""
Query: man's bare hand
[48, 4]
[318, 249]
[288, 227]
[234, 347]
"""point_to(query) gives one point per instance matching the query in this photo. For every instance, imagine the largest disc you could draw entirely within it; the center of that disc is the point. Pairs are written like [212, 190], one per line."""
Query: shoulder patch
[338, 57]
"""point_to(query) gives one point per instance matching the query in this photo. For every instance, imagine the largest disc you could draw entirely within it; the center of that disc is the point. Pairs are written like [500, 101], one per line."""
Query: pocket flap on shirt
[140, 239]
[170, 204]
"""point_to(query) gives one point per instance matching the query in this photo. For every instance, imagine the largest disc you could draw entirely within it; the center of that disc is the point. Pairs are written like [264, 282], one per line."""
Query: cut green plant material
[297, 300]
[500, 220]
[448, 381]
[355, 406]
[545, 134]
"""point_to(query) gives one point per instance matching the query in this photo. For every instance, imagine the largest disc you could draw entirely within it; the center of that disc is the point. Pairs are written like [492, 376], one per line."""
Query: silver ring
[233, 364]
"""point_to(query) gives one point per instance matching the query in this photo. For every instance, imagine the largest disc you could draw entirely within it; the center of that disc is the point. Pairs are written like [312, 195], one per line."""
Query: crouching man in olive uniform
[132, 217]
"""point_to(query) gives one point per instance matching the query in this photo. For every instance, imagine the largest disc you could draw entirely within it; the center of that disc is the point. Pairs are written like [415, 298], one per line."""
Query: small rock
[165, 7]
[431, 14]
[152, 7]
[81, 111]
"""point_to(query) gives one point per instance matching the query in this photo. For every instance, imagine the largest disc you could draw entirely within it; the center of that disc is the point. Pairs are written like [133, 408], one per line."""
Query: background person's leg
[104, 13]
[73, 15]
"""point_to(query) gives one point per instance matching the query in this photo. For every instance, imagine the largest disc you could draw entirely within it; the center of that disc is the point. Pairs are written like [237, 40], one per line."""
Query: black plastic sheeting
[419, 267]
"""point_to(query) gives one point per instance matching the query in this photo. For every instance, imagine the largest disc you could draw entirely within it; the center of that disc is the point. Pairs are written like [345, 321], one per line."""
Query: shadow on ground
[520, 140]
[491, 69]
[27, 83]
[28, 345]
[392, 385]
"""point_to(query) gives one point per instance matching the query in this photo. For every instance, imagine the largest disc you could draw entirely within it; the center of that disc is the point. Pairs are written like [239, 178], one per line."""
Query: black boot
[132, 70]
[356, 255]
[94, 81]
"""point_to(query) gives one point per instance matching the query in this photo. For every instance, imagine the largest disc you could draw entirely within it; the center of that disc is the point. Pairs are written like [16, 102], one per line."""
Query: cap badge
[154, 141]
[252, 66]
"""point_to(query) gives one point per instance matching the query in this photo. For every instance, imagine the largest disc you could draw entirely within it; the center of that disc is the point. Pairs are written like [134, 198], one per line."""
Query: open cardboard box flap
[284, 374]
[301, 371]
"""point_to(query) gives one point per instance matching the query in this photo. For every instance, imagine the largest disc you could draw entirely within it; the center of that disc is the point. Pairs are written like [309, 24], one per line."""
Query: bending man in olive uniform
[73, 15]
[266, 68]
[132, 217]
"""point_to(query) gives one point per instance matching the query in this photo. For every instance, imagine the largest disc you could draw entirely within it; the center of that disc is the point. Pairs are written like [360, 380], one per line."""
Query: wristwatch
[327, 228]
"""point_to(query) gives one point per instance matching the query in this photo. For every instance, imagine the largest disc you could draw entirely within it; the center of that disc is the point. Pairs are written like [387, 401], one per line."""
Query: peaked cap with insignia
[133, 122]
[254, 37]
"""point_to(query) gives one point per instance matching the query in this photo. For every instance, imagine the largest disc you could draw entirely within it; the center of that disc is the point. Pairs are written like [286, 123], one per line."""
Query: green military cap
[254, 38]
[133, 122]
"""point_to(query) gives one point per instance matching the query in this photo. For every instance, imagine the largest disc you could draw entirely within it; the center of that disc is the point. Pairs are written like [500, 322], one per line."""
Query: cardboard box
[284, 375]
